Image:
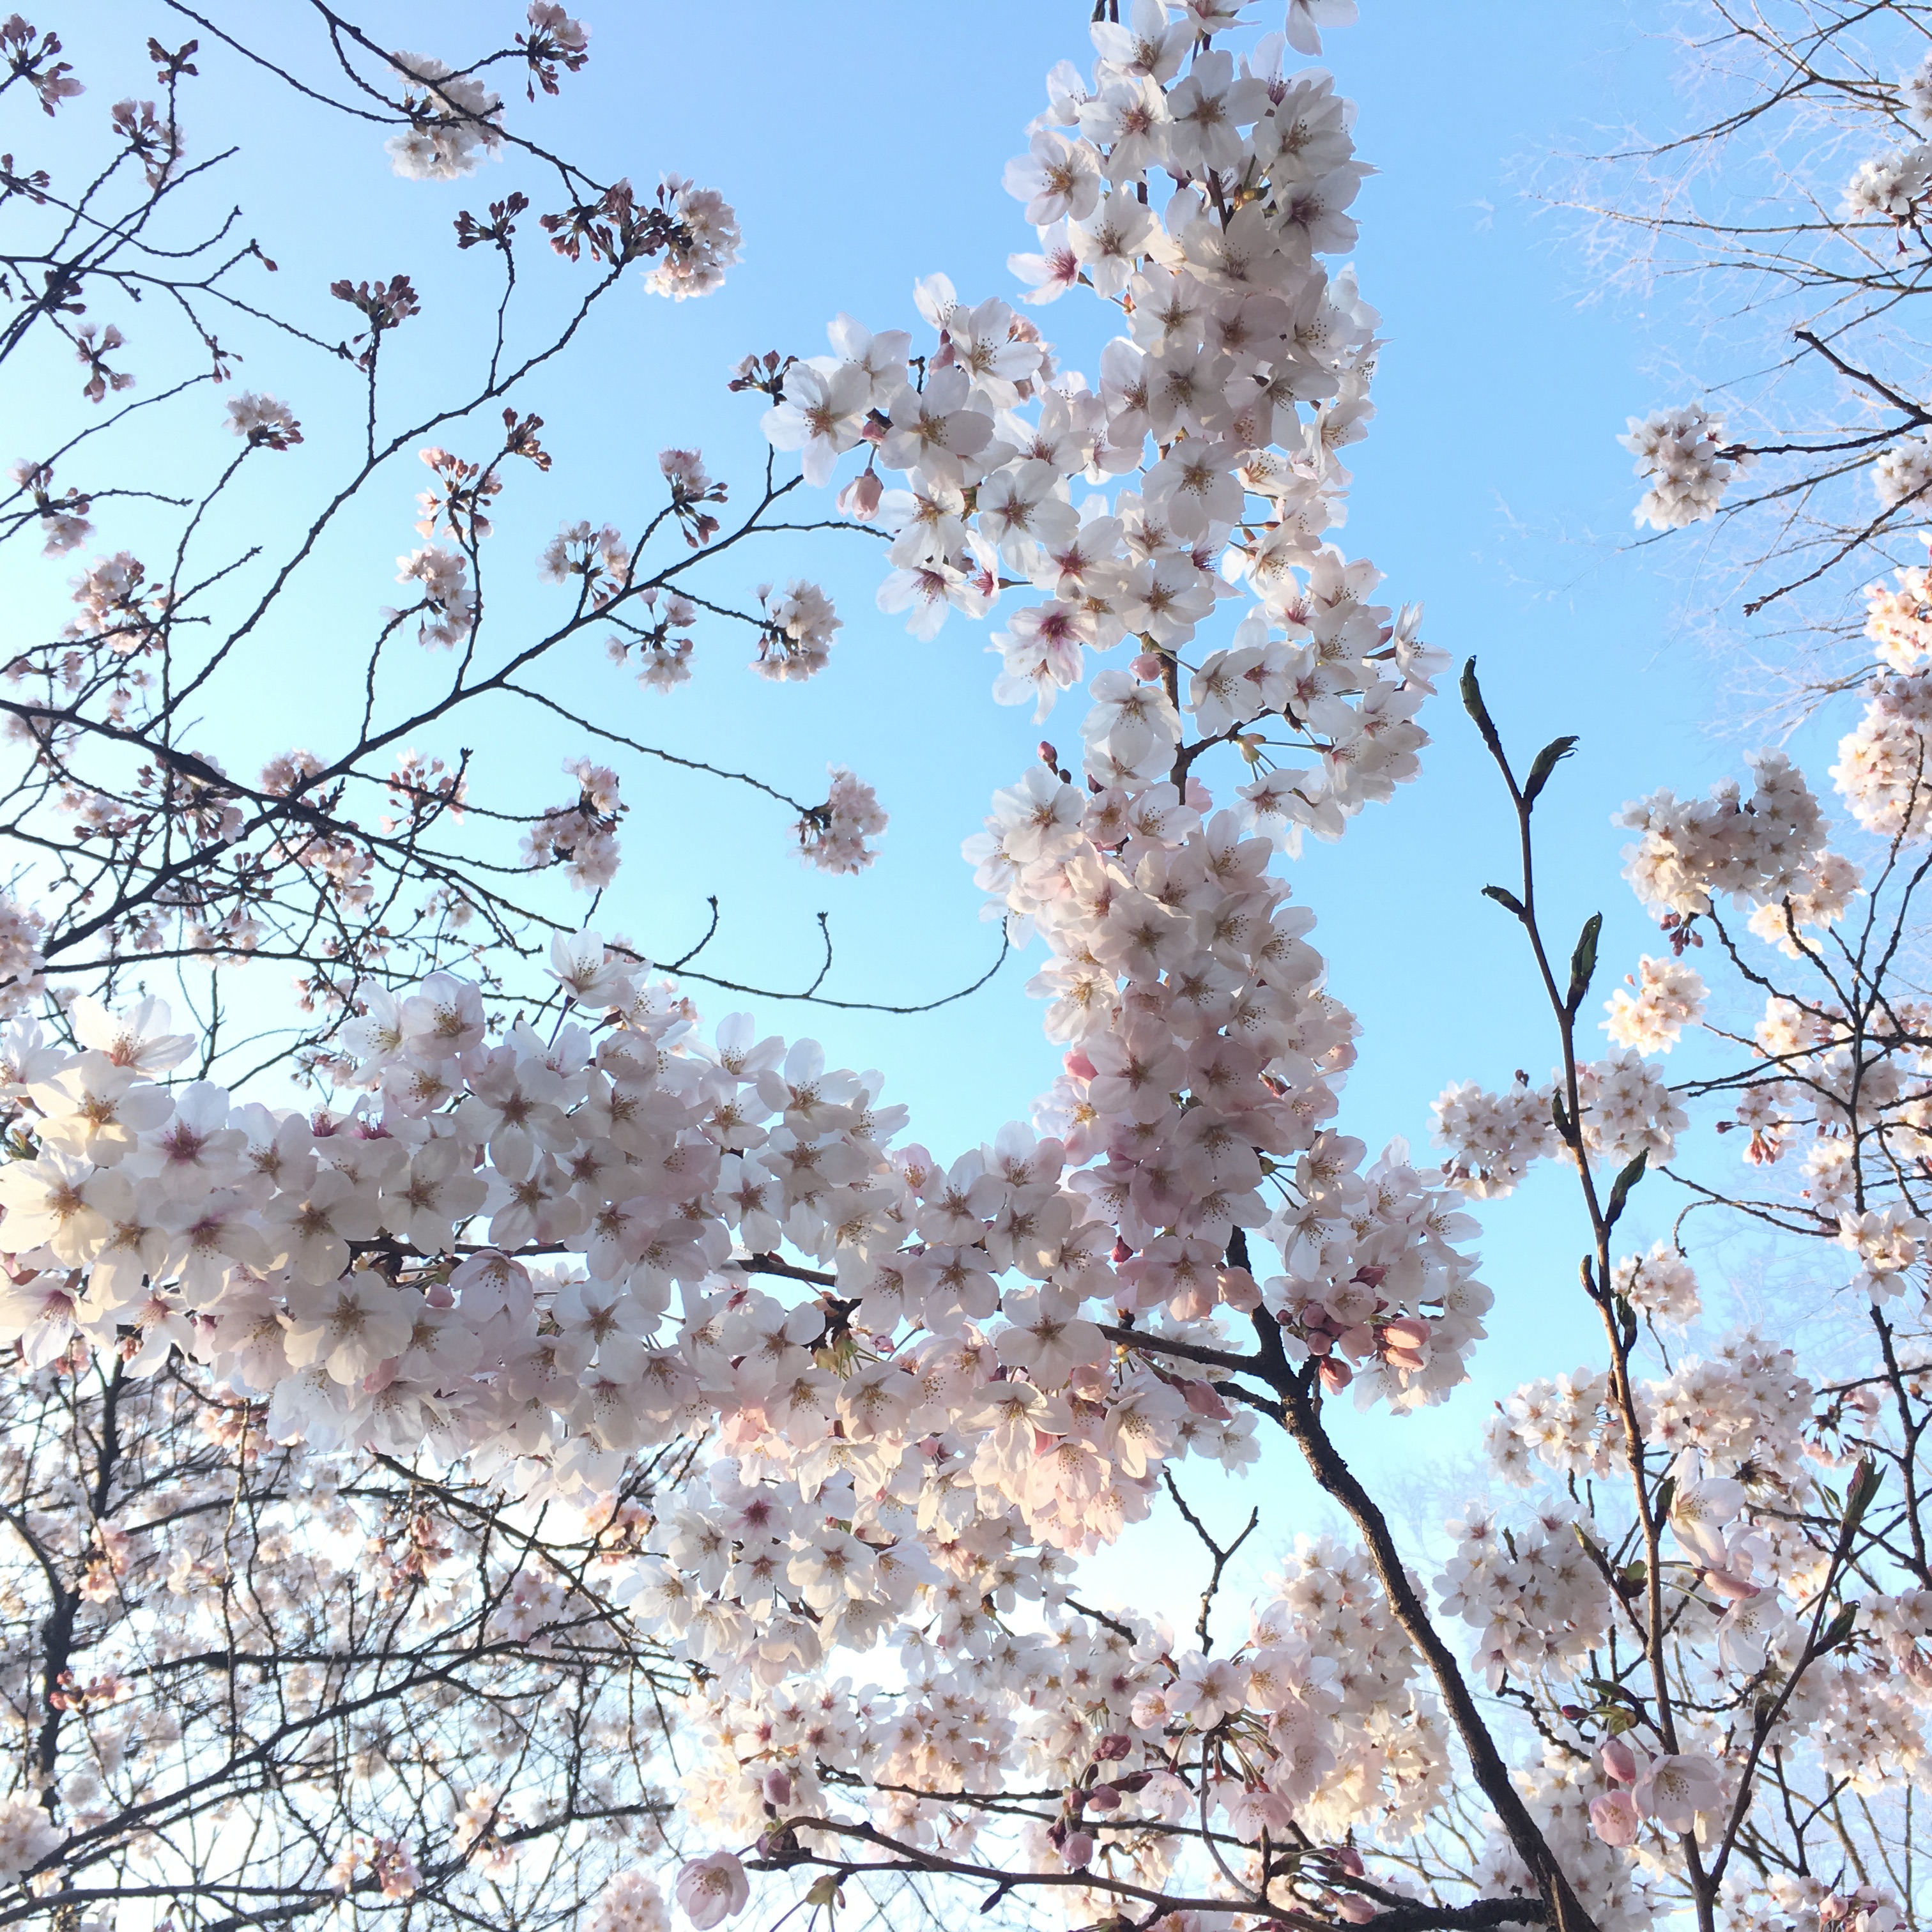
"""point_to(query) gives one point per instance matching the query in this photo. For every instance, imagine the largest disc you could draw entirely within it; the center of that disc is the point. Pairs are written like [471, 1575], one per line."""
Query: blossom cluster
[927, 1437]
[1242, 373]
[581, 835]
[1625, 1109]
[1332, 1726]
[1682, 456]
[1882, 765]
[1894, 184]
[453, 121]
[1755, 853]
[832, 836]
[1668, 996]
[703, 240]
[799, 628]
[1750, 1442]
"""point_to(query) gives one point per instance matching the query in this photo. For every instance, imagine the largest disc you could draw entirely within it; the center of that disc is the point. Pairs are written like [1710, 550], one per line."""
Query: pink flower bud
[777, 1785]
[860, 497]
[1103, 1798]
[1201, 1397]
[1336, 1375]
[1350, 1861]
[1115, 1746]
[1147, 667]
[1356, 1911]
[1732, 1588]
[1619, 1760]
[1078, 1849]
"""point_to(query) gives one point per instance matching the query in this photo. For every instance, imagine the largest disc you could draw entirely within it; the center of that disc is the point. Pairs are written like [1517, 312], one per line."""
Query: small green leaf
[1840, 1631]
[1560, 1115]
[1547, 762]
[1620, 1188]
[1583, 961]
[1866, 1479]
[824, 1891]
[1507, 900]
[1472, 703]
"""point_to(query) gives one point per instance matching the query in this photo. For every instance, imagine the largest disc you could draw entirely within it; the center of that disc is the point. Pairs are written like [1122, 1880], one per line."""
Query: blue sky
[862, 146]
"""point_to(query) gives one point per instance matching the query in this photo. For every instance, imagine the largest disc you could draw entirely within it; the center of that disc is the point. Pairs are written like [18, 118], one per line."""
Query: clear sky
[862, 142]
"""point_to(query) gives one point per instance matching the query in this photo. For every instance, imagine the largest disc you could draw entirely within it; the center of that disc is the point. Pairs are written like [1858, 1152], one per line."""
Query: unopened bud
[860, 497]
[1201, 1397]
